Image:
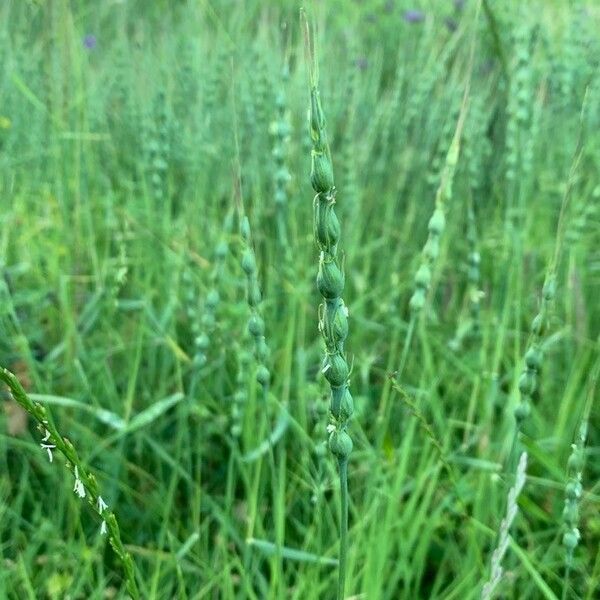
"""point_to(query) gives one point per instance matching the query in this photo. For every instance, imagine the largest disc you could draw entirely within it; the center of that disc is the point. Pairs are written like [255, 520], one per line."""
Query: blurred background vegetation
[132, 136]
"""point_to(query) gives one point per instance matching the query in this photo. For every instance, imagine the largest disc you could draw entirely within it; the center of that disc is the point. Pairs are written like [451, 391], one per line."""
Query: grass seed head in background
[512, 508]
[85, 485]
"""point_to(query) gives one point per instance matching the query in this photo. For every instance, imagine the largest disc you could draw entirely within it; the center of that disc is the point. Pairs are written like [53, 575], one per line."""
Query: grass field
[181, 393]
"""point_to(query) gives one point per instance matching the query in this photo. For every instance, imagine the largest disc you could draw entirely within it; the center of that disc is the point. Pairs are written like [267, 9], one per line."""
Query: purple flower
[89, 41]
[414, 16]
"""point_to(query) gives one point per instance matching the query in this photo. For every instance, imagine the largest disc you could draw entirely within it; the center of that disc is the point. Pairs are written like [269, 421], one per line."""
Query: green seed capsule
[571, 539]
[330, 280]
[208, 320]
[571, 514]
[537, 325]
[335, 321]
[336, 369]
[432, 248]
[263, 376]
[335, 403]
[321, 173]
[253, 294]
[437, 223]
[346, 405]
[262, 350]
[527, 383]
[549, 290]
[573, 490]
[575, 462]
[522, 411]
[327, 225]
[202, 342]
[256, 326]
[248, 262]
[245, 229]
[533, 358]
[212, 299]
[423, 277]
[340, 444]
[280, 197]
[417, 301]
[221, 250]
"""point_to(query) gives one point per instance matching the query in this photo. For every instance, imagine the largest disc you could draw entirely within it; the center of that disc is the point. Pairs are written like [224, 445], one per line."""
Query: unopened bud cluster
[435, 227]
[203, 322]
[534, 355]
[573, 490]
[256, 323]
[333, 314]
[280, 130]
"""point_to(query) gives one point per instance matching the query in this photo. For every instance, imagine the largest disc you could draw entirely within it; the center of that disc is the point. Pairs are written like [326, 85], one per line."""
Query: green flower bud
[573, 490]
[253, 294]
[335, 321]
[248, 262]
[280, 197]
[417, 301]
[337, 395]
[571, 539]
[327, 226]
[221, 250]
[537, 325]
[346, 405]
[474, 259]
[212, 299]
[245, 229]
[256, 326]
[423, 276]
[336, 369]
[330, 280]
[527, 383]
[575, 462]
[202, 342]
[263, 376]
[437, 223]
[432, 248]
[321, 172]
[571, 514]
[522, 412]
[262, 350]
[533, 358]
[208, 320]
[340, 444]
[549, 290]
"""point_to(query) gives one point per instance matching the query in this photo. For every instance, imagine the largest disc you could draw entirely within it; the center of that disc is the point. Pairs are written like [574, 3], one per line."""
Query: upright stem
[565, 592]
[343, 468]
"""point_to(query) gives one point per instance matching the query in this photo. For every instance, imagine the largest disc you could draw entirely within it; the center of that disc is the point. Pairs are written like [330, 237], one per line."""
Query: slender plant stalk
[534, 355]
[86, 485]
[574, 487]
[333, 314]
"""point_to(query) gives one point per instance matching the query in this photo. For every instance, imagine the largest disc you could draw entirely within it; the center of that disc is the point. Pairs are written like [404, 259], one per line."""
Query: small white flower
[46, 435]
[48, 448]
[101, 505]
[103, 528]
[326, 368]
[331, 428]
[78, 486]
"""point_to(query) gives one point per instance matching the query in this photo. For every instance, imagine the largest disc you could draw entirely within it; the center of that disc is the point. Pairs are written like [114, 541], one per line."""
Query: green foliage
[135, 306]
